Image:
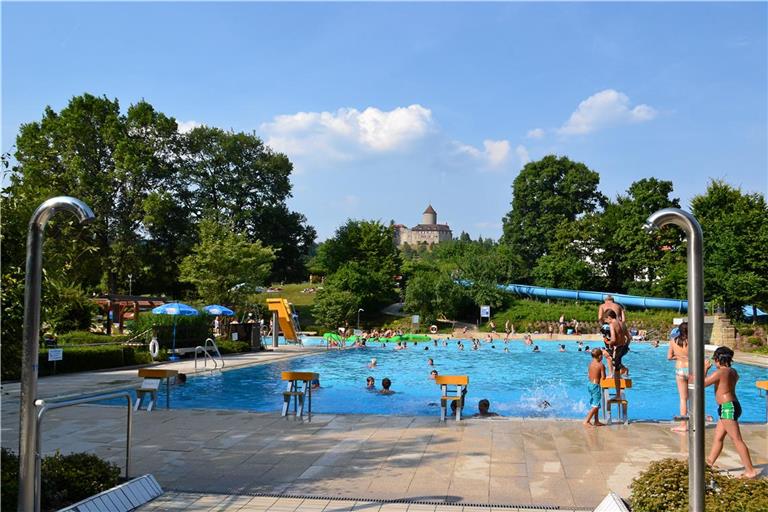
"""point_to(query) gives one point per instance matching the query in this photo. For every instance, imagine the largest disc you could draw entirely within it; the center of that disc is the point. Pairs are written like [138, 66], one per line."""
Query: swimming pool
[516, 382]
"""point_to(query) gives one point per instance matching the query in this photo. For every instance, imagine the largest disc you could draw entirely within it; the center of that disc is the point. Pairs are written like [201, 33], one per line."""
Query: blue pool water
[515, 382]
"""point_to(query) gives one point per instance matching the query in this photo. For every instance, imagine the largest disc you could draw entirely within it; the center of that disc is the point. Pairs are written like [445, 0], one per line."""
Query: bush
[86, 338]
[191, 331]
[754, 341]
[66, 479]
[233, 347]
[80, 359]
[664, 487]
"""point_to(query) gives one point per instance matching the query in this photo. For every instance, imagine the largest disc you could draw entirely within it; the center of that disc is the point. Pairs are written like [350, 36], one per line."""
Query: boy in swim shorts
[728, 409]
[596, 373]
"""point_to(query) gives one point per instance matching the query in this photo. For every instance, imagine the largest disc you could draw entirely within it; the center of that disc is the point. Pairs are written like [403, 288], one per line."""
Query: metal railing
[207, 355]
[43, 406]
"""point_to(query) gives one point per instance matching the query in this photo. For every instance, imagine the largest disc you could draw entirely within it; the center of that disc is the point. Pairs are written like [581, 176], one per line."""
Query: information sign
[55, 354]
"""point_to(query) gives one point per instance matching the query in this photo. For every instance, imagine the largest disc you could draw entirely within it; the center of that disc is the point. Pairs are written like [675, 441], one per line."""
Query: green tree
[735, 227]
[632, 259]
[361, 258]
[224, 266]
[236, 178]
[333, 307]
[91, 151]
[545, 194]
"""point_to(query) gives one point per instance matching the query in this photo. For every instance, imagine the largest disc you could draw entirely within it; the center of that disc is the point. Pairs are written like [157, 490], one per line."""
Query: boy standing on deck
[596, 373]
[728, 409]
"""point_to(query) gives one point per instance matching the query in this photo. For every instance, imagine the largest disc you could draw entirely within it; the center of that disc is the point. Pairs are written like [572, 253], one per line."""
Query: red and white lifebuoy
[433, 329]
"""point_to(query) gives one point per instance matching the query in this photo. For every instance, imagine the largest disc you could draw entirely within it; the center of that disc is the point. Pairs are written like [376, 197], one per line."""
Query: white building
[428, 232]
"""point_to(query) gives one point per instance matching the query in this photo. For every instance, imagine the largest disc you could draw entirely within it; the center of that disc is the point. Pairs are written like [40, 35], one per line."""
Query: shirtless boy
[617, 346]
[596, 373]
[728, 409]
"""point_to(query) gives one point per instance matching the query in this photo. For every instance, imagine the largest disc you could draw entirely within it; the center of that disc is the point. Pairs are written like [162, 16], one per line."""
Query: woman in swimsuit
[678, 352]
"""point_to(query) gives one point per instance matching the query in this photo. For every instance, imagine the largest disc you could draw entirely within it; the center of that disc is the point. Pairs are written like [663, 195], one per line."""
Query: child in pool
[596, 372]
[370, 383]
[728, 409]
[385, 385]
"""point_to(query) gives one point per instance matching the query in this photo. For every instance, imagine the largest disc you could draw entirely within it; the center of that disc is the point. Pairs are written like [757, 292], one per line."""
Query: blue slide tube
[678, 305]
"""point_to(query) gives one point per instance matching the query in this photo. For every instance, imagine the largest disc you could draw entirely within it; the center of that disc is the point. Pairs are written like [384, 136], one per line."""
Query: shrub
[80, 359]
[191, 331]
[754, 341]
[86, 338]
[66, 479]
[9, 466]
[746, 331]
[233, 347]
[664, 486]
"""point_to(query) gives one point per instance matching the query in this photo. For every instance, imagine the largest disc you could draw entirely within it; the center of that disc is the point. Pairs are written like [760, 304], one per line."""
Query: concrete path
[367, 457]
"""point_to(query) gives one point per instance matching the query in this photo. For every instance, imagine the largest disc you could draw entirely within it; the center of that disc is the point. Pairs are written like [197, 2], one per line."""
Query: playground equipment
[284, 316]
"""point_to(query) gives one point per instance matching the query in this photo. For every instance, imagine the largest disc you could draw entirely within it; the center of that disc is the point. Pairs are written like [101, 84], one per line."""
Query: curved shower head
[49, 208]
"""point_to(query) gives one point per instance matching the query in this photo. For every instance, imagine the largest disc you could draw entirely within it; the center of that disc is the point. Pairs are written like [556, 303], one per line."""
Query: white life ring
[433, 329]
[154, 348]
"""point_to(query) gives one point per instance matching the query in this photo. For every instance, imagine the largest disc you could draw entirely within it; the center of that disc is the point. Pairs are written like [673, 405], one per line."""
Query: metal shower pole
[29, 485]
[693, 234]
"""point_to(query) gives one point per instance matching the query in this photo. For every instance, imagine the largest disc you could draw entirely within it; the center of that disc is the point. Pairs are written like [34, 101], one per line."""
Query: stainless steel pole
[693, 234]
[28, 479]
[275, 330]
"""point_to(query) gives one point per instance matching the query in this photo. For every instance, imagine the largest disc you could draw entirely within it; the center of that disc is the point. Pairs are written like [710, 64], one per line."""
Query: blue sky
[384, 108]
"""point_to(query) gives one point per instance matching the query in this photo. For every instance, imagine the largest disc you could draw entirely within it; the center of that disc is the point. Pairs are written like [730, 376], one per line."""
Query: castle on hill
[428, 232]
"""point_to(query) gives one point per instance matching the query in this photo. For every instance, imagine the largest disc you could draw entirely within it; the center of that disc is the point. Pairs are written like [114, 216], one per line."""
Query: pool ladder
[207, 355]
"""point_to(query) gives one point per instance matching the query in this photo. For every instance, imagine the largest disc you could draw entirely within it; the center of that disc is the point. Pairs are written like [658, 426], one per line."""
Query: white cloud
[344, 134]
[536, 133]
[605, 108]
[522, 153]
[495, 153]
[187, 126]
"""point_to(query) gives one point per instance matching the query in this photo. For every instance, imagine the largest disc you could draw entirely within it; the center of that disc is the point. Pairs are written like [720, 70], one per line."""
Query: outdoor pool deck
[220, 459]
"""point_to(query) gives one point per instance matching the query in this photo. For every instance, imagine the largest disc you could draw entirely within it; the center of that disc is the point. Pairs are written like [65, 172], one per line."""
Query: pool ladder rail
[209, 343]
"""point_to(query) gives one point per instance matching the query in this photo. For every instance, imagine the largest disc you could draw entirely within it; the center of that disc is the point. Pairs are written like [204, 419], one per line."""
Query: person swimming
[370, 382]
[536, 348]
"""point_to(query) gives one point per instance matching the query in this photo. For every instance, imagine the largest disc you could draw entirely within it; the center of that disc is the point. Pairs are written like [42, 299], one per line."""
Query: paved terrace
[217, 460]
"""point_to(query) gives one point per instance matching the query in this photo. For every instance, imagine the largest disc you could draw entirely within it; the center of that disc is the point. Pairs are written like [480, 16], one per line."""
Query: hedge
[664, 486]
[85, 338]
[66, 479]
[191, 331]
[81, 359]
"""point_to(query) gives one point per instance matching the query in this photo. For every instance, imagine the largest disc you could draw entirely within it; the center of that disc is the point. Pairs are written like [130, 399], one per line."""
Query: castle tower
[430, 216]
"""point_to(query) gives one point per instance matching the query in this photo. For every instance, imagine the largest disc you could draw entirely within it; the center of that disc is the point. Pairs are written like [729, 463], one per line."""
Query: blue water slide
[625, 300]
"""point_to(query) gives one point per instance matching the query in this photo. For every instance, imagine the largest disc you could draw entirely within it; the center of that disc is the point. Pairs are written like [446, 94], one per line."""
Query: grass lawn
[301, 301]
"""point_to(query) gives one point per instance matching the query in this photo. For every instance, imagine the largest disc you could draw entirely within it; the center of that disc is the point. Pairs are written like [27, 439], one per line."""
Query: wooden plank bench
[151, 384]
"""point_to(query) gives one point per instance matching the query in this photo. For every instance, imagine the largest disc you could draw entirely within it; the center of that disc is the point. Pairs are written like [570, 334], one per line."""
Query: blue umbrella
[215, 309]
[175, 309]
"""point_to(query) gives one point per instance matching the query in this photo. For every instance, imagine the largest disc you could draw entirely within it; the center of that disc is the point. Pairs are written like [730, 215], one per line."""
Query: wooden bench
[610, 400]
[151, 384]
[299, 388]
[453, 388]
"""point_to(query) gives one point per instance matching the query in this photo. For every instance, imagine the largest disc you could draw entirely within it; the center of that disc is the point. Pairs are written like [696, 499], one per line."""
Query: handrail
[206, 357]
[44, 406]
[216, 348]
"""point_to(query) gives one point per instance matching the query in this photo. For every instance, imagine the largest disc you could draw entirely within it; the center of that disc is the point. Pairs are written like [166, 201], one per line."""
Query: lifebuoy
[433, 329]
[154, 348]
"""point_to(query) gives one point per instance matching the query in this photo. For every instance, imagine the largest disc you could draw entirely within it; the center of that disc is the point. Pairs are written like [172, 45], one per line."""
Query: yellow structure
[285, 318]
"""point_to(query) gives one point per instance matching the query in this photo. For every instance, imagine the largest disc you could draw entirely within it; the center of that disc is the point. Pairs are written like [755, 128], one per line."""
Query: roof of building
[430, 210]
[431, 227]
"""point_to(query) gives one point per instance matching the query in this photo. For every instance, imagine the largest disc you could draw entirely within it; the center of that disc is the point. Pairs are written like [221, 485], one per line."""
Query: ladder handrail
[216, 348]
[206, 356]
